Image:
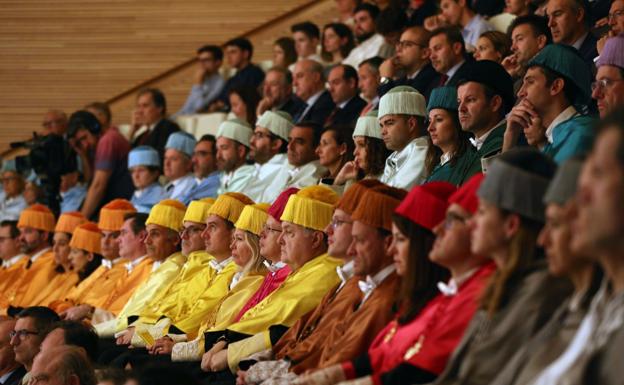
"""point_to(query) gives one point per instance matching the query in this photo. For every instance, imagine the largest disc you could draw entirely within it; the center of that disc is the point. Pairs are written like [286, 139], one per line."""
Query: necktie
[330, 118]
[301, 113]
[443, 79]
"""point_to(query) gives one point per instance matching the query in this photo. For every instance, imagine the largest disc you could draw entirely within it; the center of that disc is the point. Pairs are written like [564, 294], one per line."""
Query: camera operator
[104, 150]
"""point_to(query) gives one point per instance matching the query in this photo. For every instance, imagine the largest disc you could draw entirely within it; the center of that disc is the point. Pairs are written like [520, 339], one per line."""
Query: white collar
[371, 283]
[345, 272]
[564, 115]
[12, 261]
[312, 99]
[445, 158]
[132, 264]
[38, 254]
[579, 42]
[451, 288]
[413, 75]
[343, 104]
[219, 266]
[478, 142]
[273, 267]
[181, 179]
[454, 69]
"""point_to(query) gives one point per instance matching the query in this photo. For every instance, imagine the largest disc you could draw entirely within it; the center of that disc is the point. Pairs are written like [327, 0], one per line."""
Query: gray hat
[511, 188]
[563, 186]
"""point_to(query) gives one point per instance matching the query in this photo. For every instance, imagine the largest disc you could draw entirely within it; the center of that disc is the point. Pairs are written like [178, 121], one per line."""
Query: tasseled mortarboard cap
[68, 222]
[402, 100]
[562, 188]
[426, 204]
[443, 97]
[112, 214]
[494, 76]
[38, 217]
[466, 195]
[514, 189]
[197, 211]
[253, 217]
[277, 122]
[368, 125]
[377, 206]
[612, 53]
[567, 62]
[167, 213]
[143, 156]
[229, 206]
[236, 129]
[183, 142]
[277, 208]
[312, 207]
[87, 237]
[351, 197]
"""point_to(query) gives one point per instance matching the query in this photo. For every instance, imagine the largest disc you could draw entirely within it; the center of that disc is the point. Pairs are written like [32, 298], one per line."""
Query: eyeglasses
[616, 14]
[408, 44]
[191, 230]
[604, 83]
[266, 228]
[21, 333]
[335, 223]
[260, 135]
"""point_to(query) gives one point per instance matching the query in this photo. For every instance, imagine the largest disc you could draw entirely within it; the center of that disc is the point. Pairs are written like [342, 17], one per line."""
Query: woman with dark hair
[334, 150]
[243, 103]
[337, 42]
[493, 45]
[522, 295]
[85, 254]
[412, 240]
[369, 154]
[450, 157]
[284, 53]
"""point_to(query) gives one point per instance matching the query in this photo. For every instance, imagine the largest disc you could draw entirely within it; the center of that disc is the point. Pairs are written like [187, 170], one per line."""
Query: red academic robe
[271, 282]
[426, 342]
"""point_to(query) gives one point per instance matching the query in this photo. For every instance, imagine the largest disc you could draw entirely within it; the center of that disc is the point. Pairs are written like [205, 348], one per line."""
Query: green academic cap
[443, 97]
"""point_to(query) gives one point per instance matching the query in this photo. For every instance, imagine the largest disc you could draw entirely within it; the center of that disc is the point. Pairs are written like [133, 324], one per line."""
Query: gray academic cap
[563, 186]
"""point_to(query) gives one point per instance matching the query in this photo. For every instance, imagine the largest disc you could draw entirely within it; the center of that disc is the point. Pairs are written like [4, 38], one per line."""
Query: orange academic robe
[33, 281]
[57, 288]
[125, 286]
[9, 276]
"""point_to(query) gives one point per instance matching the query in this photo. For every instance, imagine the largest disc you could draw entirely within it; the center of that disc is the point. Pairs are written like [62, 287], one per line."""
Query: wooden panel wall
[64, 54]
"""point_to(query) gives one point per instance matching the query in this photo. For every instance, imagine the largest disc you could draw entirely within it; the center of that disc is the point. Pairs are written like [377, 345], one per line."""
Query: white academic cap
[402, 100]
[237, 130]
[279, 123]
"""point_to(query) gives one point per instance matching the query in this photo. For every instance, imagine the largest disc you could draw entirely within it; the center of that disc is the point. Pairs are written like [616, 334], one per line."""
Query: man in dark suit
[278, 94]
[412, 57]
[11, 372]
[448, 55]
[309, 84]
[149, 115]
[343, 88]
[569, 24]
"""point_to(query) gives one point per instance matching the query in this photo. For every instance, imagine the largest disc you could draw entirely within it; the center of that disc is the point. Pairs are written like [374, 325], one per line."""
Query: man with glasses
[269, 145]
[412, 58]
[207, 177]
[12, 202]
[208, 82]
[608, 89]
[31, 327]
[11, 372]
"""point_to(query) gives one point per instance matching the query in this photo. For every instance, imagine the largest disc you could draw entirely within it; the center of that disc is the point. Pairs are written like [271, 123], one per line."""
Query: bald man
[63, 365]
[309, 85]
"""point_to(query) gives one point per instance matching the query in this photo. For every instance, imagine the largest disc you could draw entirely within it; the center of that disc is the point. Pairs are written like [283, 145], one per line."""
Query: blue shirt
[202, 95]
[475, 27]
[72, 199]
[143, 200]
[10, 208]
[206, 188]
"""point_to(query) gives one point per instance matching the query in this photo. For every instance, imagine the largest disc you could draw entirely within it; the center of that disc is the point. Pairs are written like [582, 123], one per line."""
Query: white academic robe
[291, 176]
[263, 176]
[406, 168]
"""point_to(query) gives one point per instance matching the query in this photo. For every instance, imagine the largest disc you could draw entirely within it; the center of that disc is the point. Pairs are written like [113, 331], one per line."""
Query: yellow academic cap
[167, 213]
[197, 211]
[230, 205]
[87, 237]
[253, 217]
[311, 207]
[38, 217]
[68, 222]
[112, 214]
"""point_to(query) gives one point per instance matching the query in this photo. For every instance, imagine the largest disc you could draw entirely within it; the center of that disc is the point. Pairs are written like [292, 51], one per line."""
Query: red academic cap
[466, 195]
[277, 208]
[426, 205]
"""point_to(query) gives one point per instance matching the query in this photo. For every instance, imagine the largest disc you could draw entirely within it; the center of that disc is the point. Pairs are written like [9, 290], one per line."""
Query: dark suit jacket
[319, 111]
[588, 49]
[459, 74]
[249, 77]
[426, 80]
[293, 106]
[157, 138]
[16, 377]
[349, 114]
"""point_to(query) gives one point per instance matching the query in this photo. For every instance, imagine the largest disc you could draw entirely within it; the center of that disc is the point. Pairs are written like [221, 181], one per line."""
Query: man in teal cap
[553, 96]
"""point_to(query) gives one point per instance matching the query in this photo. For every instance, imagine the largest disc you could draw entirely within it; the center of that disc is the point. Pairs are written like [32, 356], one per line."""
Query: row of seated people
[439, 284]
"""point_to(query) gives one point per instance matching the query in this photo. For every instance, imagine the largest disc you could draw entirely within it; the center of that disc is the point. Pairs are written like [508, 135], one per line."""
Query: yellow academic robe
[56, 289]
[124, 287]
[33, 281]
[300, 293]
[161, 277]
[97, 285]
[220, 318]
[9, 276]
[168, 299]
